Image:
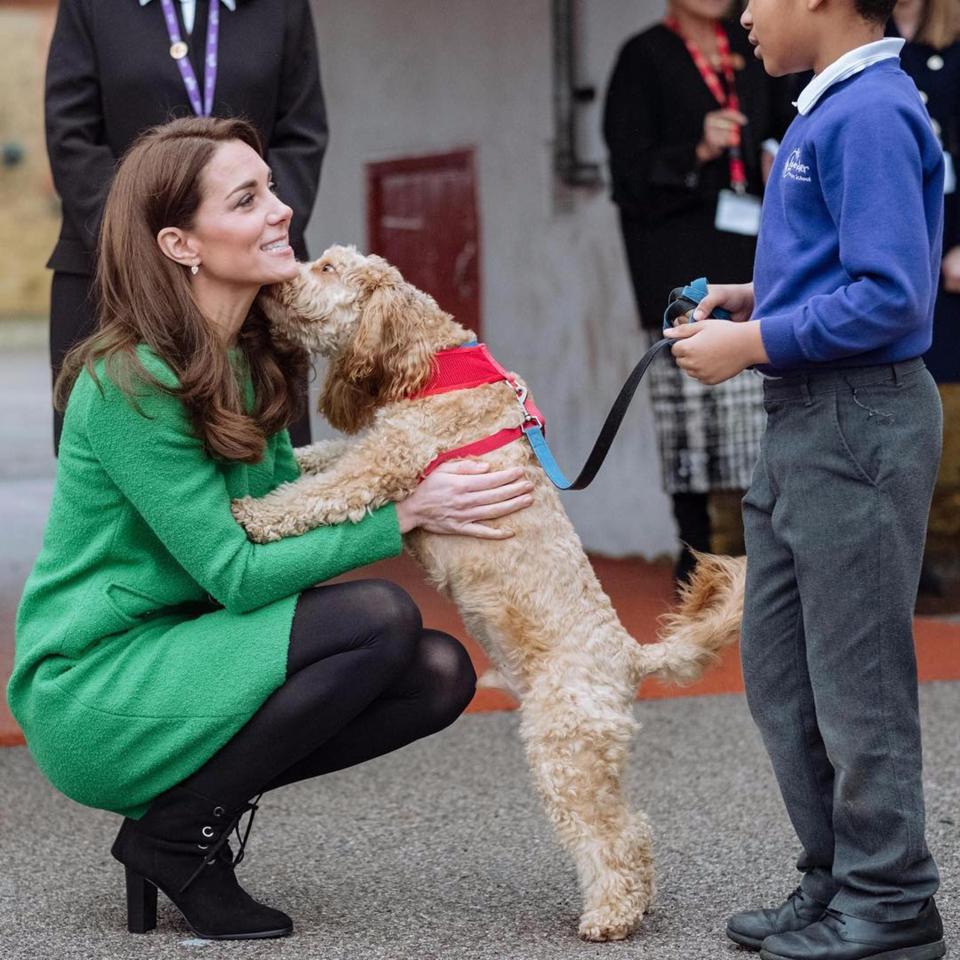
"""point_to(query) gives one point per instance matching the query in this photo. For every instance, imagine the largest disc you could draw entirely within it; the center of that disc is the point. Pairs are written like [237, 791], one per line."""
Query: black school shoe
[752, 927]
[839, 936]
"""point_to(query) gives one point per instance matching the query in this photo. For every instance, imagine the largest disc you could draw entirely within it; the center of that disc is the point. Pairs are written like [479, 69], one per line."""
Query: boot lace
[215, 848]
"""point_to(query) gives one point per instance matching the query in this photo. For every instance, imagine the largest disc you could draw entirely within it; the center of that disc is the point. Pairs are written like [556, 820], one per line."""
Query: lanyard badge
[729, 101]
[179, 49]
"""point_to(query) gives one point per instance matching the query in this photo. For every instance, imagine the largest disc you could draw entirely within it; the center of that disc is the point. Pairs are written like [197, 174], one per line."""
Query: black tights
[363, 678]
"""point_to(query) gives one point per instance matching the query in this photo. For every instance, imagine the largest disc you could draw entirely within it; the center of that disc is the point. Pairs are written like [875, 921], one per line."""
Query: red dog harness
[461, 368]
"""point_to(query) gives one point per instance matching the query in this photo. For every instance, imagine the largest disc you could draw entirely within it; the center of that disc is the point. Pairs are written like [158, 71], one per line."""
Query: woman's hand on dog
[460, 495]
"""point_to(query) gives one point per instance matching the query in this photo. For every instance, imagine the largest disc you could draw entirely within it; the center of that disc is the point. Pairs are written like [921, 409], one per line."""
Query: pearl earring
[195, 269]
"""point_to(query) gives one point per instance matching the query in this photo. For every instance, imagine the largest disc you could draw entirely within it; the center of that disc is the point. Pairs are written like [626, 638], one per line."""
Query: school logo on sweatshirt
[795, 169]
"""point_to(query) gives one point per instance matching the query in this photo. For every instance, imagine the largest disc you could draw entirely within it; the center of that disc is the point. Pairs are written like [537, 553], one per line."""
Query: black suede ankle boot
[179, 846]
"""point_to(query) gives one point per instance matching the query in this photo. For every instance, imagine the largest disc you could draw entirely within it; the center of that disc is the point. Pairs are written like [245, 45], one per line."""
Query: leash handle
[683, 299]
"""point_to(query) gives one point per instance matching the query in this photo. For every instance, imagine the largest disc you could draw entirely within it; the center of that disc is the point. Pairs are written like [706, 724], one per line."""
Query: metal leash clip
[528, 417]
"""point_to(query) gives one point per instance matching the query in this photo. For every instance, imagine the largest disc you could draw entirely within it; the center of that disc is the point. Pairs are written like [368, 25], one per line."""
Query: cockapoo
[533, 601]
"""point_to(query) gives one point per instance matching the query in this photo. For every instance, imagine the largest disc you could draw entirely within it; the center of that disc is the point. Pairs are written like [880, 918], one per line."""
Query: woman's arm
[165, 474]
[365, 476]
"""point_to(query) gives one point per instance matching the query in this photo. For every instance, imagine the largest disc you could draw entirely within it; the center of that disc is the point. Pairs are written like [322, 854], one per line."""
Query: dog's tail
[706, 620]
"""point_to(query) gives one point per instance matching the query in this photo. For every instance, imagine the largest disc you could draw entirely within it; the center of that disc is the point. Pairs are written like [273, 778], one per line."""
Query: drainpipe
[568, 166]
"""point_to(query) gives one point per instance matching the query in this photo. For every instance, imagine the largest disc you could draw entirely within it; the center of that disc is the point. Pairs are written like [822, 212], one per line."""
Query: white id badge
[949, 174]
[738, 213]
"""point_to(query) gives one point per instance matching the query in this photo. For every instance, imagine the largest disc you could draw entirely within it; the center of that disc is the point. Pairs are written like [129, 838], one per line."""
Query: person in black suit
[669, 124]
[931, 56]
[115, 69]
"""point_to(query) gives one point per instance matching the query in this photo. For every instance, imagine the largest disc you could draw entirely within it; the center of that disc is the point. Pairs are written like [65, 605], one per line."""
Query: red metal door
[422, 217]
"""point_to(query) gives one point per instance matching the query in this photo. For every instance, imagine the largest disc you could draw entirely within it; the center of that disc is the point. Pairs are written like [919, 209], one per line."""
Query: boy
[837, 318]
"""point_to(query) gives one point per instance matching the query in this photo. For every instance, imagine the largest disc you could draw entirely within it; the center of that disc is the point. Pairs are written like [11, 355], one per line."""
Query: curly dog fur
[533, 601]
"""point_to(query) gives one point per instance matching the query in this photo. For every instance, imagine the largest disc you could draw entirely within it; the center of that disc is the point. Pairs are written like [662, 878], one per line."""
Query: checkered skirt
[709, 437]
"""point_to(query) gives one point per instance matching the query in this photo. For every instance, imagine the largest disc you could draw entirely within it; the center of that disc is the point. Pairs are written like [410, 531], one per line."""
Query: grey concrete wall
[428, 76]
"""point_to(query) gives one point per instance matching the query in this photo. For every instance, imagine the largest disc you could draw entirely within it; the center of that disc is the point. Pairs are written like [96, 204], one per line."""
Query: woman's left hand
[460, 495]
[951, 270]
[712, 350]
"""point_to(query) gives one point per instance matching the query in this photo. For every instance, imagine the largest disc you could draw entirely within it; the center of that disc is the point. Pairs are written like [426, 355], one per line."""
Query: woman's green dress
[150, 629]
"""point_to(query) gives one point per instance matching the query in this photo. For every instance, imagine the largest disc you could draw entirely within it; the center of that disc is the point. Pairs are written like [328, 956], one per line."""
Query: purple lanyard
[178, 50]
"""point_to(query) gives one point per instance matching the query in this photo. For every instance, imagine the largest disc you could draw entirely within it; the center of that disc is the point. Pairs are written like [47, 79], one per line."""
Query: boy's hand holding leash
[712, 350]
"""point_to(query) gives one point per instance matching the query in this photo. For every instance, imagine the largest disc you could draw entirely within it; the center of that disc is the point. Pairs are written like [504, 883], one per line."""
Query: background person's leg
[692, 513]
[300, 430]
[72, 317]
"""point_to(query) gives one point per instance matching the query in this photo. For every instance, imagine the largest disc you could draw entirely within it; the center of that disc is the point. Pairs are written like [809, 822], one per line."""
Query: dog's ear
[388, 358]
[403, 315]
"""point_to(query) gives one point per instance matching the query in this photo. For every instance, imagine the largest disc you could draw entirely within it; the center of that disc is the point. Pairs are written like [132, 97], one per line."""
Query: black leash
[680, 302]
[534, 431]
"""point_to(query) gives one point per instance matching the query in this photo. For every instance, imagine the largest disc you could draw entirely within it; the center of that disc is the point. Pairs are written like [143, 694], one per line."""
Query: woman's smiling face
[241, 229]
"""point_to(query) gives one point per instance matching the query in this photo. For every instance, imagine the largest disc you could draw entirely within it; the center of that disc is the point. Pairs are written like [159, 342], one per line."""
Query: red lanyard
[738, 173]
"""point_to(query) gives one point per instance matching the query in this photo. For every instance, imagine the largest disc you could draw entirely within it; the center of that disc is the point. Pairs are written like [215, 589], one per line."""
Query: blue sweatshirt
[848, 256]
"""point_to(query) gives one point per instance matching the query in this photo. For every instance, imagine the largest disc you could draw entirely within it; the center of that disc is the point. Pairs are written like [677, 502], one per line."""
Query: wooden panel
[422, 217]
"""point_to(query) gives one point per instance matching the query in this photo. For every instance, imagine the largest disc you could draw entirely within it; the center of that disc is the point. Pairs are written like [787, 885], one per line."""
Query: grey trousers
[835, 521]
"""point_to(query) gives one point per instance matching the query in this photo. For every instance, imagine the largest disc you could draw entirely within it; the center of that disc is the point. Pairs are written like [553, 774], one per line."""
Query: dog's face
[379, 331]
[320, 308]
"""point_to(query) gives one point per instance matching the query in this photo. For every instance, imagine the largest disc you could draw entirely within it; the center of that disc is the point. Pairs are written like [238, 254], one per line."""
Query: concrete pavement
[437, 852]
[440, 851]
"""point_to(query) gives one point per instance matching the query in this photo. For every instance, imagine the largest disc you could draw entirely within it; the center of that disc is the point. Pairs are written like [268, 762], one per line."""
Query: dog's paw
[247, 513]
[607, 923]
[241, 508]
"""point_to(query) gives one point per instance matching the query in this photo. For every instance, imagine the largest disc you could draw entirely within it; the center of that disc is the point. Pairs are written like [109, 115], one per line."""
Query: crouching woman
[166, 668]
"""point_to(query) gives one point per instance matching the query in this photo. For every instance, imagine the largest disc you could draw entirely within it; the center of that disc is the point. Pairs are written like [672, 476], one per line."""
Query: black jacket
[941, 91]
[653, 119]
[110, 76]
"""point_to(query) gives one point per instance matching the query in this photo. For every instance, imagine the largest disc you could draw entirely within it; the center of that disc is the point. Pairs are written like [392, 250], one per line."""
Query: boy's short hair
[877, 10]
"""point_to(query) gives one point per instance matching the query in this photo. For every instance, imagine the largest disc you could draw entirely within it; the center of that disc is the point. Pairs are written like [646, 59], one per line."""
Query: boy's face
[779, 32]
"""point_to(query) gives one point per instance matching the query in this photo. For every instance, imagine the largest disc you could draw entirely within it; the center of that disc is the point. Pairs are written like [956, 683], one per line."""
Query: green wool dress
[150, 629]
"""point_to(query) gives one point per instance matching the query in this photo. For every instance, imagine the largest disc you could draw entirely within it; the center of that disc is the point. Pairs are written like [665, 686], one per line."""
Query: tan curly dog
[533, 601]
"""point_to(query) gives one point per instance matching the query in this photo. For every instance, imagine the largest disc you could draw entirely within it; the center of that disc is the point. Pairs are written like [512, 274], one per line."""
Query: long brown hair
[143, 297]
[939, 23]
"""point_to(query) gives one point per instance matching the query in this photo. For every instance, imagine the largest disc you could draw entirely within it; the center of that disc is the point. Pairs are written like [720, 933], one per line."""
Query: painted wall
[29, 208]
[428, 76]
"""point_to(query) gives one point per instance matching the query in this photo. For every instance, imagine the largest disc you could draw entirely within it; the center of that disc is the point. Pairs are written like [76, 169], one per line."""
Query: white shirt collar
[229, 4]
[853, 61]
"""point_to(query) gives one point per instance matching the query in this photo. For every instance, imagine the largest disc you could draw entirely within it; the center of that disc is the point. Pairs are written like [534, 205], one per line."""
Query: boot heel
[141, 903]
